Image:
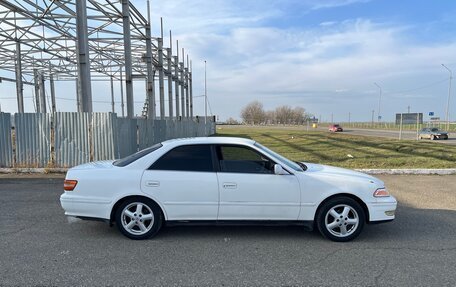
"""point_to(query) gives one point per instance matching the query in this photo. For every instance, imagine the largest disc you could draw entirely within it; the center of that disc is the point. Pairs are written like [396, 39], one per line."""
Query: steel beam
[51, 84]
[36, 78]
[19, 84]
[170, 84]
[122, 105]
[128, 59]
[150, 93]
[42, 93]
[112, 96]
[190, 87]
[182, 93]
[176, 79]
[161, 81]
[83, 57]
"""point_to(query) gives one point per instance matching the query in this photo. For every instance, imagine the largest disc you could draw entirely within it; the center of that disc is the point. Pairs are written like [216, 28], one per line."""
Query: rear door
[185, 182]
[249, 189]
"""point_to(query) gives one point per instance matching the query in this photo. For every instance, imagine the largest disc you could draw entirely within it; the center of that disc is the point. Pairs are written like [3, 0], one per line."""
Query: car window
[134, 157]
[242, 159]
[283, 159]
[435, 129]
[186, 158]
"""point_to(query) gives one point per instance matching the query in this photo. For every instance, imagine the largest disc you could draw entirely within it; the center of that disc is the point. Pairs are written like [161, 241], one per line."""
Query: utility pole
[349, 118]
[205, 97]
[449, 96]
[332, 118]
[373, 111]
[379, 102]
[408, 109]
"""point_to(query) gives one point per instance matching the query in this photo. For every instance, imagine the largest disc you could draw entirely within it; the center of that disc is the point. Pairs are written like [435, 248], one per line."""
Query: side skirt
[307, 224]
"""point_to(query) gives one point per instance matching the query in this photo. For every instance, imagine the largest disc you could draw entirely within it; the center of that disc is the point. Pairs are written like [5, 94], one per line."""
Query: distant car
[335, 128]
[433, 134]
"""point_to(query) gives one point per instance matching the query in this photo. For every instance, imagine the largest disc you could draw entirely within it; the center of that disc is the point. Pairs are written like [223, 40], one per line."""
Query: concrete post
[83, 57]
[19, 84]
[127, 55]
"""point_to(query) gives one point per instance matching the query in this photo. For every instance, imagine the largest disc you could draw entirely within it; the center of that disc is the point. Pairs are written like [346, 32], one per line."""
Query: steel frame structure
[88, 40]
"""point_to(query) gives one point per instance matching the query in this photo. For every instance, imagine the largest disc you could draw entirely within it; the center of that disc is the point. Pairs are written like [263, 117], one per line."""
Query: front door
[249, 189]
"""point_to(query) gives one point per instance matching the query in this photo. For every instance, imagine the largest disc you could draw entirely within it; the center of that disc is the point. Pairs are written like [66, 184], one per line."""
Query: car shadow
[429, 226]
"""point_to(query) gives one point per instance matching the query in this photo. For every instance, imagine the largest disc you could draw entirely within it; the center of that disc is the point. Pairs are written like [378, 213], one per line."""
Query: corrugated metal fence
[69, 139]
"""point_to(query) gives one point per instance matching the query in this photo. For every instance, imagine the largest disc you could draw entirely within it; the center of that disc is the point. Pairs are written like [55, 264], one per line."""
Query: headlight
[381, 192]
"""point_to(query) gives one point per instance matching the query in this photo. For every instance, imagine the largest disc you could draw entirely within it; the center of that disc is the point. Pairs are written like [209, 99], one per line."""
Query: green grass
[333, 149]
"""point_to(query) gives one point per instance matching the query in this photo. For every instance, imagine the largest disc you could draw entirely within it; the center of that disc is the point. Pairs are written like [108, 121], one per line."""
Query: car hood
[332, 171]
[95, 165]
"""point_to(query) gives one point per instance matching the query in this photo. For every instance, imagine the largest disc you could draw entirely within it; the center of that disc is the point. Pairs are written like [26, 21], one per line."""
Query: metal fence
[69, 139]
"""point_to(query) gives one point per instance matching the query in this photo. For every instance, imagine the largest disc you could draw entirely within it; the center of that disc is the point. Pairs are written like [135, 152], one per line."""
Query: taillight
[69, 184]
[381, 192]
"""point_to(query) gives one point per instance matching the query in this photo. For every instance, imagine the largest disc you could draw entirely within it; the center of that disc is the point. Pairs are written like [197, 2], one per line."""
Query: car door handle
[151, 183]
[229, 185]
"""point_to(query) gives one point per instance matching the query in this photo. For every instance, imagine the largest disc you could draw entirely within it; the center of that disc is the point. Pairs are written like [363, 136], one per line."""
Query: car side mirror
[278, 169]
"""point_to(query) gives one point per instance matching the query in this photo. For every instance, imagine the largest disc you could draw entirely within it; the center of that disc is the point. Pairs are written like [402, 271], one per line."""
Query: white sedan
[220, 180]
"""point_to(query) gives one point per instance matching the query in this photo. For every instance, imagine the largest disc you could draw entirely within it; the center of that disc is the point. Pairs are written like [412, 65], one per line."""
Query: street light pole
[449, 95]
[205, 98]
[379, 101]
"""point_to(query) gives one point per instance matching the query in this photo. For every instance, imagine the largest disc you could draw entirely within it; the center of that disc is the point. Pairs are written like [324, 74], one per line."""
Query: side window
[186, 158]
[241, 159]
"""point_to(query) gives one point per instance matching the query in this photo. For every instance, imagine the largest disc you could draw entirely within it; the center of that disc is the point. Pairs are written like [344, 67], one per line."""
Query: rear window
[134, 157]
[186, 158]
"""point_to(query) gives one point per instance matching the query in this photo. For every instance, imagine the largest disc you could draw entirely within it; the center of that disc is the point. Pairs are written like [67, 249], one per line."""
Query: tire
[130, 218]
[432, 137]
[340, 229]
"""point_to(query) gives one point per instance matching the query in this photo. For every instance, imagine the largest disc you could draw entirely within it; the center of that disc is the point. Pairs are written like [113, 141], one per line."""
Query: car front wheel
[138, 218]
[340, 219]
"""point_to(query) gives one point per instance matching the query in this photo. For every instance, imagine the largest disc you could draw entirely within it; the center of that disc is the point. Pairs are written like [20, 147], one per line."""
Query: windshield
[134, 157]
[284, 160]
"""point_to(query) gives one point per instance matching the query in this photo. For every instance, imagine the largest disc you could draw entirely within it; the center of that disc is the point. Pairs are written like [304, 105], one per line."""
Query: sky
[324, 56]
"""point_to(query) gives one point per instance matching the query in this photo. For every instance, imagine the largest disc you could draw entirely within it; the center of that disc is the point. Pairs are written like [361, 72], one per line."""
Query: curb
[444, 171]
[32, 170]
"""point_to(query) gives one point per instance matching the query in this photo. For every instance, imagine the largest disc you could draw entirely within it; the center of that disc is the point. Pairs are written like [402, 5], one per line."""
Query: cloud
[255, 52]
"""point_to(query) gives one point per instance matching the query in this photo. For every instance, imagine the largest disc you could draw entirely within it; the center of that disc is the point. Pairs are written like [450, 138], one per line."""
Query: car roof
[208, 140]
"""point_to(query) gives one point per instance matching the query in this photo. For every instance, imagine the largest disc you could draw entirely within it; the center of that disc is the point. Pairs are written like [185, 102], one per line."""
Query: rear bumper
[85, 207]
[382, 211]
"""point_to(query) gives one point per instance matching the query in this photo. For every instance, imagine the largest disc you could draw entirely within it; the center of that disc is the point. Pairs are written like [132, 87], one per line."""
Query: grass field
[347, 150]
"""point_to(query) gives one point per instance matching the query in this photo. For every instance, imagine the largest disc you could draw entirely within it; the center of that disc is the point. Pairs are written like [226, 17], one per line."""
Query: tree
[253, 113]
[231, 121]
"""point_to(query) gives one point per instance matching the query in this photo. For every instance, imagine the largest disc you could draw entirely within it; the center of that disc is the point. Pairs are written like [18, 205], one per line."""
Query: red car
[335, 128]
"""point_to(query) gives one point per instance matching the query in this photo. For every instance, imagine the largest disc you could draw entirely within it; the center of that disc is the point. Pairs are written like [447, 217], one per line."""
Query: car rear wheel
[138, 218]
[432, 137]
[340, 219]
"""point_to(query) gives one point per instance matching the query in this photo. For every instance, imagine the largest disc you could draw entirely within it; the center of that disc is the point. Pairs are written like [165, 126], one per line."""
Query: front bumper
[83, 206]
[383, 210]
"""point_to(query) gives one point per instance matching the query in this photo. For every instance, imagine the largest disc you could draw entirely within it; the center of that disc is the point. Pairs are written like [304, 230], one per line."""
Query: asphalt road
[409, 135]
[39, 246]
